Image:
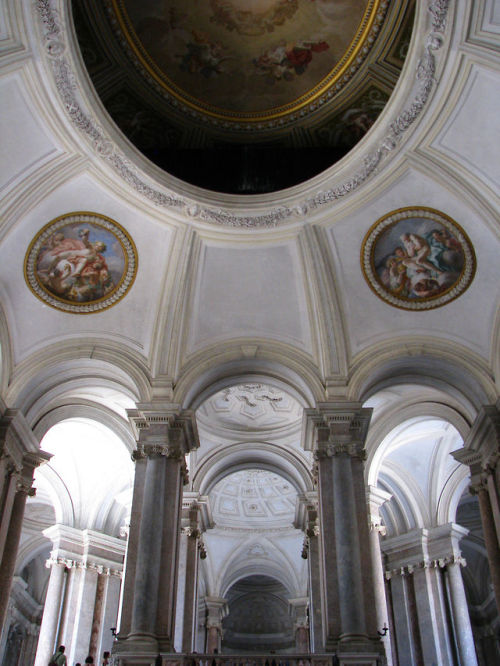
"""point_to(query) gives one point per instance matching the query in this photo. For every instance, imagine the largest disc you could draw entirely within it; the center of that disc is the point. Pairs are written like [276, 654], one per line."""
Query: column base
[141, 650]
[359, 650]
[359, 658]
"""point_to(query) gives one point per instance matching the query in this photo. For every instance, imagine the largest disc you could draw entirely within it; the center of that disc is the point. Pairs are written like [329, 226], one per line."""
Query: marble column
[481, 452]
[444, 550]
[416, 563]
[490, 537]
[77, 604]
[301, 624]
[377, 497]
[23, 490]
[312, 551]
[216, 612]
[194, 549]
[164, 437]
[19, 456]
[336, 432]
[51, 612]
[461, 619]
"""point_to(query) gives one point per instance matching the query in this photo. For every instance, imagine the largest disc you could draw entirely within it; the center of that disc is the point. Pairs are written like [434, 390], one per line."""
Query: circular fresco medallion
[417, 258]
[81, 263]
[248, 60]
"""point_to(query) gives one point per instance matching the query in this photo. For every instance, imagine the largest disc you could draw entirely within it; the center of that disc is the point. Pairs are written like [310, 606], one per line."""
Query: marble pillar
[190, 551]
[313, 554]
[216, 611]
[51, 612]
[377, 497]
[481, 452]
[444, 549]
[336, 433]
[79, 610]
[490, 536]
[193, 535]
[420, 563]
[164, 437]
[19, 457]
[299, 608]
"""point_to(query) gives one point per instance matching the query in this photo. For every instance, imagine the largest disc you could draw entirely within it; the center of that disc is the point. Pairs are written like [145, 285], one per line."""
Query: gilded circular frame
[81, 263]
[417, 258]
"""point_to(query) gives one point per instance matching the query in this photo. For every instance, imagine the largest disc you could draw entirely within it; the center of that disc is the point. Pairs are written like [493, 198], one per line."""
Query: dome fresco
[249, 59]
[271, 92]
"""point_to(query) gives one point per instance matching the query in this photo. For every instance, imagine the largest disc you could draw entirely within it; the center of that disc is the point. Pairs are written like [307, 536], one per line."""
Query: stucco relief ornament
[56, 47]
[81, 263]
[417, 258]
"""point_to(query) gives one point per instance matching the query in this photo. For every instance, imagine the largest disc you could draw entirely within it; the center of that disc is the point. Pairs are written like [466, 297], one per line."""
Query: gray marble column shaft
[79, 612]
[190, 594]
[408, 650]
[329, 583]
[213, 639]
[148, 566]
[352, 616]
[127, 597]
[431, 619]
[490, 539]
[51, 611]
[8, 562]
[494, 500]
[315, 611]
[461, 620]
[9, 494]
[96, 630]
[379, 584]
[167, 593]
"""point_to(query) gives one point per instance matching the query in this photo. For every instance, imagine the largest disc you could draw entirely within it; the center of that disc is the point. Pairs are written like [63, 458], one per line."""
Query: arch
[86, 410]
[240, 566]
[407, 495]
[245, 455]
[452, 368]
[276, 364]
[93, 362]
[77, 481]
[387, 428]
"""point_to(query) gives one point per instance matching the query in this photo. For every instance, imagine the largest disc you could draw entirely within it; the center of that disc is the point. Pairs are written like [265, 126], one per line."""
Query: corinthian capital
[169, 427]
[336, 428]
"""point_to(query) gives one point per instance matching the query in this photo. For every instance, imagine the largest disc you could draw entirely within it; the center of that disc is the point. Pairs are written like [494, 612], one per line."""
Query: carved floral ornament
[417, 258]
[57, 52]
[81, 263]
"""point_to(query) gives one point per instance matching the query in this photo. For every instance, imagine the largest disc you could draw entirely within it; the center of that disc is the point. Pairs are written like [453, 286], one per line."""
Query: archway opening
[259, 618]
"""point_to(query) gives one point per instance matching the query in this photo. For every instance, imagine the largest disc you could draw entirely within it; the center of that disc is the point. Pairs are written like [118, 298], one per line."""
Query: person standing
[58, 658]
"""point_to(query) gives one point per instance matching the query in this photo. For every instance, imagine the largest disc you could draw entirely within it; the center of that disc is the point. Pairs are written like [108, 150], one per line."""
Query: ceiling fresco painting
[244, 97]
[81, 263]
[417, 259]
[248, 59]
